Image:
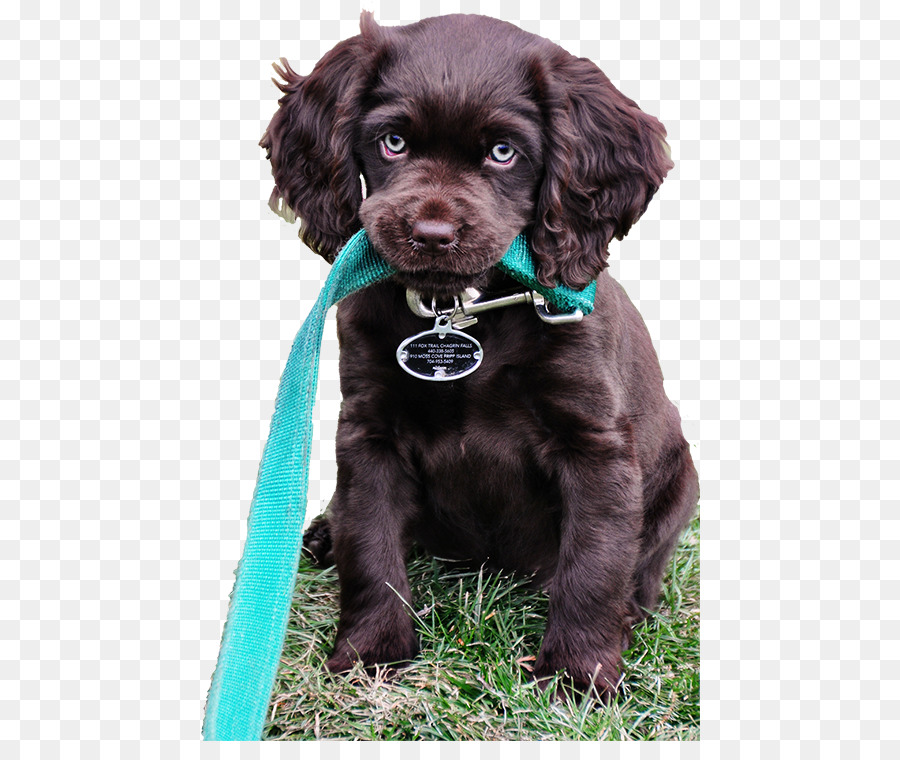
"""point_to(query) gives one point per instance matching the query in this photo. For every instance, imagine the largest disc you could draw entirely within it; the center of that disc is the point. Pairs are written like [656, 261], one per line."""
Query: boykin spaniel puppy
[560, 455]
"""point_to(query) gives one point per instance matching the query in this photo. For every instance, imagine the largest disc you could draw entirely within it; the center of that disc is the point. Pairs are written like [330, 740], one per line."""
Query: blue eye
[502, 153]
[393, 145]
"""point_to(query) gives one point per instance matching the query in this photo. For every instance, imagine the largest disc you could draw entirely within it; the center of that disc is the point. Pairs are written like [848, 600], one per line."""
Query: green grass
[479, 631]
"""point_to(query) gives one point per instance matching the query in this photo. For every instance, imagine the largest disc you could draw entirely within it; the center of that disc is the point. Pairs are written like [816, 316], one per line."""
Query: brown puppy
[561, 455]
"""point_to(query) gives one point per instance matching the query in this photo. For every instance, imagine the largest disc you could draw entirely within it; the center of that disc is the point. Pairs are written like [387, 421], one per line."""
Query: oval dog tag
[441, 353]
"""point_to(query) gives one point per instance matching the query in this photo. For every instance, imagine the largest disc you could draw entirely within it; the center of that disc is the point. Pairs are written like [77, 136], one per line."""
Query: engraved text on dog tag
[441, 353]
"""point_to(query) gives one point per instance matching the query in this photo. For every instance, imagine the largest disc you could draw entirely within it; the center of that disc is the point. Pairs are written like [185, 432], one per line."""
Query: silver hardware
[569, 317]
[461, 307]
[443, 325]
[471, 302]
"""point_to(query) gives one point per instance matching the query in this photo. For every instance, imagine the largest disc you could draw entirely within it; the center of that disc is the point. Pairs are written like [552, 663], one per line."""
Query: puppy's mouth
[438, 284]
[437, 271]
[437, 248]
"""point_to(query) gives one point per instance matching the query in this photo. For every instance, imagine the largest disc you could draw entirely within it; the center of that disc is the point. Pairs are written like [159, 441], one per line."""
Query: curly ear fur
[604, 160]
[309, 143]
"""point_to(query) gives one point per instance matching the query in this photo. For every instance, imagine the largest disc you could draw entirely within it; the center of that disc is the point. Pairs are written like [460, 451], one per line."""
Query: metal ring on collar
[436, 312]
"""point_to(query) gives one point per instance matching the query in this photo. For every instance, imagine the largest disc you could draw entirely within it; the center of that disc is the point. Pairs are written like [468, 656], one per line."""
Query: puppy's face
[467, 131]
[451, 148]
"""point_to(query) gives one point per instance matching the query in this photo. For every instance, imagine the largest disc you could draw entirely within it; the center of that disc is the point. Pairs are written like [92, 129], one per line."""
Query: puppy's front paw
[373, 645]
[594, 675]
[317, 542]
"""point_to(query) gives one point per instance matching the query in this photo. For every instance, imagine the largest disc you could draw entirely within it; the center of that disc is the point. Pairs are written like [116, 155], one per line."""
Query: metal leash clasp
[459, 314]
[567, 317]
[470, 302]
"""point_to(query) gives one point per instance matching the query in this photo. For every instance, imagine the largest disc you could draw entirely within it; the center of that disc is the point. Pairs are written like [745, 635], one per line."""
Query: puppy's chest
[484, 493]
[473, 443]
[485, 430]
[478, 449]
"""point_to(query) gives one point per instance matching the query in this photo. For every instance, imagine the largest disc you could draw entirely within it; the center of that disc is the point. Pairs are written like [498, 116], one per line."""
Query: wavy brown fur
[561, 456]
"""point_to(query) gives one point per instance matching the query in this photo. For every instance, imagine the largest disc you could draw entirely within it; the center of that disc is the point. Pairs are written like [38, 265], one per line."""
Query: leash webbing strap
[518, 263]
[254, 632]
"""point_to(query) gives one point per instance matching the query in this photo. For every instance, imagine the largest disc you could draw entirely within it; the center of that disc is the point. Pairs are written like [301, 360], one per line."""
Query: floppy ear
[604, 160]
[309, 143]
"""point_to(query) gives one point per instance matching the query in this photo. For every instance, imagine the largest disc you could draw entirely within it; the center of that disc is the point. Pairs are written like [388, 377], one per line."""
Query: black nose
[433, 235]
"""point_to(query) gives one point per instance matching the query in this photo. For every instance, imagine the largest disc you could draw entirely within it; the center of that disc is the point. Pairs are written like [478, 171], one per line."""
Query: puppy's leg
[371, 509]
[590, 596]
[670, 507]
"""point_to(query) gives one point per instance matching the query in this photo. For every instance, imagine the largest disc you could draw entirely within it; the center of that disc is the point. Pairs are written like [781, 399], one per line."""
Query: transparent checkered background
[149, 298]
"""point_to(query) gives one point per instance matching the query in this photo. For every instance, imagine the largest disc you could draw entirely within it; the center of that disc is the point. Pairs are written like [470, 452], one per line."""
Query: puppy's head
[466, 131]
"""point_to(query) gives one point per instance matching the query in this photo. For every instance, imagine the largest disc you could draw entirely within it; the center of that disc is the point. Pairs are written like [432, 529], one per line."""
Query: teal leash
[254, 632]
